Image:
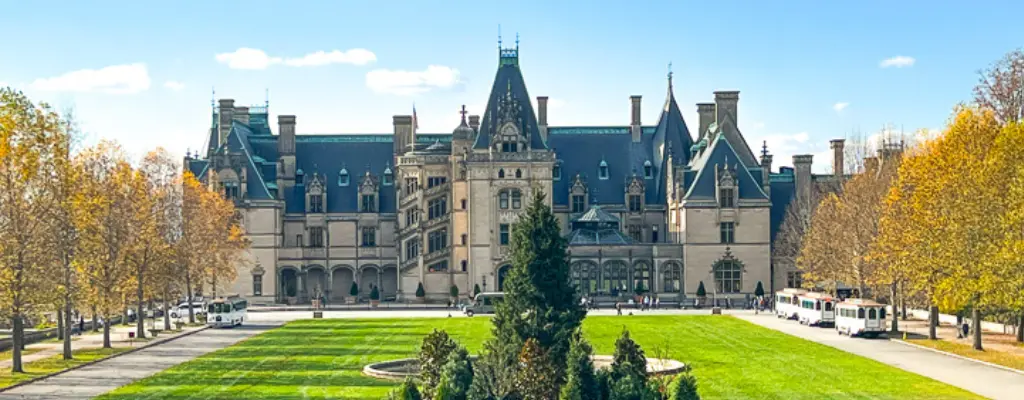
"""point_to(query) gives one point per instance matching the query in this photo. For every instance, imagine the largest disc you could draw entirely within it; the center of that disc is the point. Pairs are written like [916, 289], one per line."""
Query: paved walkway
[90, 340]
[982, 379]
[104, 376]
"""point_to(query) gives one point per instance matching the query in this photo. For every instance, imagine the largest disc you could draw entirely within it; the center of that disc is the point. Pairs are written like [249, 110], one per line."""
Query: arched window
[519, 173]
[872, 313]
[602, 170]
[642, 277]
[673, 278]
[343, 177]
[517, 199]
[648, 170]
[616, 277]
[503, 200]
[728, 276]
[300, 177]
[501, 173]
[389, 177]
[860, 313]
[584, 277]
[881, 313]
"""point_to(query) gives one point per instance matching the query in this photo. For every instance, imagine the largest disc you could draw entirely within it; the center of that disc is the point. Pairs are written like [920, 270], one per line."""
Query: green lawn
[993, 356]
[55, 363]
[8, 354]
[732, 359]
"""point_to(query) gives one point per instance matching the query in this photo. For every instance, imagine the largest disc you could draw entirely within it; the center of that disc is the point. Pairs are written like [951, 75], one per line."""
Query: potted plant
[702, 294]
[476, 290]
[759, 290]
[454, 293]
[353, 292]
[420, 294]
[374, 297]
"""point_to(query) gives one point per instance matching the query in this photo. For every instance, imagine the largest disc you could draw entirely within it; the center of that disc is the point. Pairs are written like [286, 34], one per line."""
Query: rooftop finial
[266, 101]
[463, 112]
[764, 149]
[499, 37]
[670, 73]
[213, 97]
[517, 40]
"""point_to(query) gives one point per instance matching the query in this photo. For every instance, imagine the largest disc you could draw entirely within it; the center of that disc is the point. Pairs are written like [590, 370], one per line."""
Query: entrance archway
[368, 278]
[389, 282]
[289, 282]
[316, 280]
[341, 281]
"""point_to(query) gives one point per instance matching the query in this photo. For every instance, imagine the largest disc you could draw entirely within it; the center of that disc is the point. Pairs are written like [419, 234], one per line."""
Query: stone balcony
[314, 253]
[439, 255]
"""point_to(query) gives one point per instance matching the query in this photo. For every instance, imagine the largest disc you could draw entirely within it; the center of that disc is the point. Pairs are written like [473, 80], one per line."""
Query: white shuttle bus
[786, 305]
[816, 309]
[230, 311]
[860, 317]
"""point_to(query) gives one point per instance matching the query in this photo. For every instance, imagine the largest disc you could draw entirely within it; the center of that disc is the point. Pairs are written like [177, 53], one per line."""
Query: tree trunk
[18, 336]
[976, 327]
[95, 321]
[167, 311]
[188, 297]
[106, 333]
[60, 324]
[140, 320]
[1020, 328]
[67, 327]
[895, 321]
[933, 322]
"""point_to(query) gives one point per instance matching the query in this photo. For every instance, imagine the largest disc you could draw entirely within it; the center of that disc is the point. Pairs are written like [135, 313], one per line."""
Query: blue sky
[808, 71]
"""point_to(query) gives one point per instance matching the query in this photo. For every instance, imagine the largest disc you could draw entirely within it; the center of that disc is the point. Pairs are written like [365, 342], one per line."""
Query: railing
[412, 262]
[409, 198]
[520, 156]
[442, 188]
[437, 255]
[437, 221]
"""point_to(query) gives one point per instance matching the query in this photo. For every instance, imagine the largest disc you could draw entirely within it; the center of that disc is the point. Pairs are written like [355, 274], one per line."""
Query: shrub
[759, 291]
[456, 376]
[700, 290]
[353, 290]
[374, 294]
[639, 289]
[406, 391]
[579, 370]
[453, 291]
[434, 352]
[632, 388]
[537, 377]
[629, 360]
[604, 382]
[683, 387]
[476, 289]
[419, 291]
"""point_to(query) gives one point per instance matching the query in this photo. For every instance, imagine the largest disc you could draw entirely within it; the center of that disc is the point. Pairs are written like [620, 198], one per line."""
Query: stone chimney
[726, 102]
[404, 136]
[241, 115]
[285, 153]
[225, 112]
[474, 122]
[802, 164]
[706, 112]
[542, 117]
[634, 121]
[838, 165]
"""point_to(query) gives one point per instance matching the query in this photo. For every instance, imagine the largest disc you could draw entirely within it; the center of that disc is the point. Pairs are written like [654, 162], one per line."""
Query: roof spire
[266, 100]
[670, 75]
[764, 149]
[463, 112]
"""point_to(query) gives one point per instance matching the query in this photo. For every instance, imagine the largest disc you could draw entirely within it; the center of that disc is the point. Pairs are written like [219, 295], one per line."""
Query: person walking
[618, 307]
[81, 324]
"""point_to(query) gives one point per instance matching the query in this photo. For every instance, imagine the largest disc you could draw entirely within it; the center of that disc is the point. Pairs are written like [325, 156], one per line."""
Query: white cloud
[757, 125]
[115, 79]
[249, 58]
[839, 107]
[412, 82]
[555, 103]
[316, 59]
[898, 62]
[174, 85]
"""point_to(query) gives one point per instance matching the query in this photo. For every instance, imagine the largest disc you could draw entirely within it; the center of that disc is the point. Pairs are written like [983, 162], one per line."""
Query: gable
[718, 155]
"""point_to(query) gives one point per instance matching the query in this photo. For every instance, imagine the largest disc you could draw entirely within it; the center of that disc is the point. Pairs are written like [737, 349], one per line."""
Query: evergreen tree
[453, 291]
[456, 376]
[374, 294]
[632, 388]
[629, 360]
[604, 383]
[406, 391]
[759, 290]
[434, 353]
[420, 293]
[683, 387]
[700, 290]
[537, 377]
[579, 370]
[540, 303]
[476, 289]
[353, 290]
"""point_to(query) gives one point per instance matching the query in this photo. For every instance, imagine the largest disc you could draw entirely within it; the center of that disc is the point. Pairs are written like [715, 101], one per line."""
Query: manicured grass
[732, 359]
[56, 363]
[993, 356]
[8, 354]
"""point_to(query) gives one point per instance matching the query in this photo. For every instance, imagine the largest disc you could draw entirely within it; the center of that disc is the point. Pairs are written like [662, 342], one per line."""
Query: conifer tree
[580, 379]
[406, 391]
[456, 376]
[434, 353]
[701, 292]
[683, 387]
[629, 359]
[537, 375]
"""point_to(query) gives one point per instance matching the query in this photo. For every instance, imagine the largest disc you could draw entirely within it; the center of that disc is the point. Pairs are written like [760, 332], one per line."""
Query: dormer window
[602, 170]
[300, 177]
[726, 197]
[648, 170]
[509, 147]
[343, 178]
[556, 171]
[316, 203]
[389, 177]
[726, 188]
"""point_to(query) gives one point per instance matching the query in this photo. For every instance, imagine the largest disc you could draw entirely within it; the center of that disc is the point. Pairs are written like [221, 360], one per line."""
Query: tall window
[412, 216]
[728, 276]
[437, 208]
[728, 232]
[579, 203]
[634, 203]
[503, 234]
[369, 236]
[300, 178]
[673, 282]
[654, 234]
[438, 267]
[602, 170]
[464, 239]
[503, 200]
[389, 177]
[369, 203]
[412, 248]
[794, 279]
[615, 277]
[316, 203]
[648, 170]
[556, 172]
[437, 240]
[636, 233]
[463, 203]
[343, 178]
[463, 265]
[519, 173]
[642, 277]
[436, 181]
[584, 277]
[298, 241]
[316, 236]
[411, 185]
[257, 285]
[230, 190]
[501, 173]
[726, 199]
[517, 199]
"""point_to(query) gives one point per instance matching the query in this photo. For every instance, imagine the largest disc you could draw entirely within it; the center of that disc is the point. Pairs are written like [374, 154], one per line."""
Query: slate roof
[783, 192]
[597, 227]
[671, 135]
[720, 153]
[509, 80]
[582, 151]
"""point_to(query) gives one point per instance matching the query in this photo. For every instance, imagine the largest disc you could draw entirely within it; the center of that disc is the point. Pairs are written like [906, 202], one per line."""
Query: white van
[860, 317]
[816, 309]
[786, 305]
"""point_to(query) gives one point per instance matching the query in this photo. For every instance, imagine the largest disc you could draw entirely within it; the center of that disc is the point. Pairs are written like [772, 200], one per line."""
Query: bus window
[828, 306]
[860, 313]
[881, 313]
[872, 313]
[817, 305]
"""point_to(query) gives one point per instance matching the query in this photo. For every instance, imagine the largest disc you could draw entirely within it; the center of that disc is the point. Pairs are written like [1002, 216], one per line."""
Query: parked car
[181, 311]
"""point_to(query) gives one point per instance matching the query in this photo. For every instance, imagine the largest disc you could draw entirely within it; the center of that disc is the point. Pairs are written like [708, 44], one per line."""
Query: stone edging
[1002, 367]
[147, 345]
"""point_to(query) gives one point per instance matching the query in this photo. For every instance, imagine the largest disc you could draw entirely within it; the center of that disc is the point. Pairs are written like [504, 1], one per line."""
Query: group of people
[319, 299]
[761, 303]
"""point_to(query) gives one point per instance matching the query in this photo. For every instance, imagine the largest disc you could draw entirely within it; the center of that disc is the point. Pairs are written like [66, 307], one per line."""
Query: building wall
[703, 247]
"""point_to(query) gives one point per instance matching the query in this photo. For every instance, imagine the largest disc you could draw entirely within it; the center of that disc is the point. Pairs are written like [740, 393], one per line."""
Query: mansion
[648, 206]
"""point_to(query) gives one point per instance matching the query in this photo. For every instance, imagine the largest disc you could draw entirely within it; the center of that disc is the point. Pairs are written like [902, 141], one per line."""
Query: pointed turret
[671, 133]
[509, 123]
